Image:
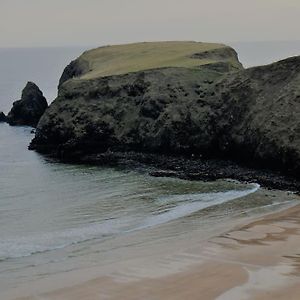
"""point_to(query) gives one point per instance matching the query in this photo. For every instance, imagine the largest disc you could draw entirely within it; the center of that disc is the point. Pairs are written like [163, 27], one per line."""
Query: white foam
[179, 206]
[28, 245]
[193, 203]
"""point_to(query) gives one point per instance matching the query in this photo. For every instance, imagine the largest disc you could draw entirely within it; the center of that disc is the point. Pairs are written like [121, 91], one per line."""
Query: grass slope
[122, 59]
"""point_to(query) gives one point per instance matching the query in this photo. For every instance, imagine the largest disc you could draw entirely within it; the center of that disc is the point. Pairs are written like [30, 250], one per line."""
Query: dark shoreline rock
[186, 168]
[29, 109]
[2, 117]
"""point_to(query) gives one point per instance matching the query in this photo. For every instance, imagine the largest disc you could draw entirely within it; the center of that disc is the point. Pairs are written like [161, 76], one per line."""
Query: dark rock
[190, 168]
[148, 116]
[222, 58]
[164, 173]
[2, 117]
[29, 109]
[74, 69]
[219, 54]
[258, 116]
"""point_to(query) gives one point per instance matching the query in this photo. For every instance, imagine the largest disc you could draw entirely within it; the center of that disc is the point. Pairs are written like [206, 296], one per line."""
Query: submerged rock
[30, 108]
[2, 117]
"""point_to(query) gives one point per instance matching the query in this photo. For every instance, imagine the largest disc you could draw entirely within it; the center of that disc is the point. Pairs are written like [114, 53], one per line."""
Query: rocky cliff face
[30, 108]
[75, 69]
[248, 115]
[158, 110]
[260, 113]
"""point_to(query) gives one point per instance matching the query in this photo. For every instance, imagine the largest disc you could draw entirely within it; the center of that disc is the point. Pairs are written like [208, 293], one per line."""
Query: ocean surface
[52, 214]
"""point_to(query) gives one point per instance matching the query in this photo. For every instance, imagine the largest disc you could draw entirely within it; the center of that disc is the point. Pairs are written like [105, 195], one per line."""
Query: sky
[44, 23]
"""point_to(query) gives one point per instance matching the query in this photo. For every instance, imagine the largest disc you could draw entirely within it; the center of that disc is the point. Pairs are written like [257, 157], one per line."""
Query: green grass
[121, 59]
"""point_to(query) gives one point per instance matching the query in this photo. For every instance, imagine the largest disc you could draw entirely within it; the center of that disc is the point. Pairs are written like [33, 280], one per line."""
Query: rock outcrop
[247, 115]
[259, 115]
[75, 69]
[153, 110]
[29, 109]
[2, 117]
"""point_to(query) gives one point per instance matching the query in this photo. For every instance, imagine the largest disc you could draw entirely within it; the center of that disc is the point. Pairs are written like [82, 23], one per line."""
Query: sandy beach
[257, 258]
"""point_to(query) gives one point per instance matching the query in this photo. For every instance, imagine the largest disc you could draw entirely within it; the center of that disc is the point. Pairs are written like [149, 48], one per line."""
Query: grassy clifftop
[122, 59]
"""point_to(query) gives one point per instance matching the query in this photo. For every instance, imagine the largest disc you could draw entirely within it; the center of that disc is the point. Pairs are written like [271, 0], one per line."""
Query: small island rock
[2, 117]
[30, 108]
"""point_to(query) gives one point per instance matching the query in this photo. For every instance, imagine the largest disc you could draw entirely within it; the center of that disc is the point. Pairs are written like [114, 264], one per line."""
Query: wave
[171, 208]
[193, 203]
[26, 246]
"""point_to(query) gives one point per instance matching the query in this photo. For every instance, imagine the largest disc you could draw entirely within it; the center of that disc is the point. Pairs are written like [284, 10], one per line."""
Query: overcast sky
[29, 23]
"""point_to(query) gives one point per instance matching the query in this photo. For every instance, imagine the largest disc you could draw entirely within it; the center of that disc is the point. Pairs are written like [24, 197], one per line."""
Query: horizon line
[112, 44]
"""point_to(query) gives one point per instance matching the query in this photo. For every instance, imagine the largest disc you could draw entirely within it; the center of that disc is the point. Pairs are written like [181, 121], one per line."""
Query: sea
[55, 217]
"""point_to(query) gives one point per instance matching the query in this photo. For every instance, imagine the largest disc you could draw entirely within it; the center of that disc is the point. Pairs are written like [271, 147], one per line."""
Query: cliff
[175, 98]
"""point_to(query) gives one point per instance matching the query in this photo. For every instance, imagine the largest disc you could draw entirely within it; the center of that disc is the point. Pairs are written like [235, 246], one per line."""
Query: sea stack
[2, 117]
[29, 109]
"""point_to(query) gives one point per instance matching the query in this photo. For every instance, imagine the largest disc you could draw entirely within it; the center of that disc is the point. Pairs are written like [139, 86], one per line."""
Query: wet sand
[259, 259]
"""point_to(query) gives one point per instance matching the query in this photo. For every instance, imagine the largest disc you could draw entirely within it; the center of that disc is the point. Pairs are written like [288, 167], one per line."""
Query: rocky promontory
[144, 107]
[29, 109]
[190, 99]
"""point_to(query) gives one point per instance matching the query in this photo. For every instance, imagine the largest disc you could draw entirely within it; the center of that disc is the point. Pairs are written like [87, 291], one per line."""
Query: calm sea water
[261, 53]
[47, 206]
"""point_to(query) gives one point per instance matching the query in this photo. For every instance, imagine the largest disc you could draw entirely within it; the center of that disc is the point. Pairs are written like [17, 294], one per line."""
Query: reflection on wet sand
[257, 260]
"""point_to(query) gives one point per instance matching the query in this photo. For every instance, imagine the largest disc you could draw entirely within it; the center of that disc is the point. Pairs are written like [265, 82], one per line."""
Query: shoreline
[182, 167]
[227, 265]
